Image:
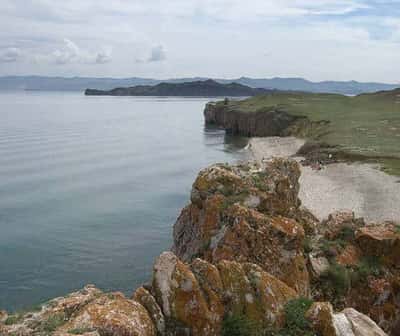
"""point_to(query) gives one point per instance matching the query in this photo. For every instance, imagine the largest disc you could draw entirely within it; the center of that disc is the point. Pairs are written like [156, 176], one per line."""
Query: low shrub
[13, 319]
[307, 245]
[368, 266]
[339, 278]
[295, 320]
[53, 322]
[80, 331]
[238, 325]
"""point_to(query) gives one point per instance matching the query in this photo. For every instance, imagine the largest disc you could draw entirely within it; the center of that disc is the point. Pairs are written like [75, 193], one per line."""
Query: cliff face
[269, 122]
[246, 258]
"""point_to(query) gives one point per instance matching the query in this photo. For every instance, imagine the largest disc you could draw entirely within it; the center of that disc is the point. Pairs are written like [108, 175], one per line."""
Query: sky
[314, 39]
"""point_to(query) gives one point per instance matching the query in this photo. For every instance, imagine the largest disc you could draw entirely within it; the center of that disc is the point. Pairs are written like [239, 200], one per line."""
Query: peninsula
[207, 88]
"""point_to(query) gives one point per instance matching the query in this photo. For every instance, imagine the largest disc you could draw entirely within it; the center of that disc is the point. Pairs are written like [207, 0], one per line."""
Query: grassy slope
[367, 124]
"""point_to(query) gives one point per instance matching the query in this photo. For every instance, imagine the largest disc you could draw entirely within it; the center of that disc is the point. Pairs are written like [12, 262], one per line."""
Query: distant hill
[207, 88]
[81, 83]
[300, 84]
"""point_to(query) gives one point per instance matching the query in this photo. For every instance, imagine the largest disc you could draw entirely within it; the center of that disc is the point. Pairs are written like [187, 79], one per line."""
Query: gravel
[362, 188]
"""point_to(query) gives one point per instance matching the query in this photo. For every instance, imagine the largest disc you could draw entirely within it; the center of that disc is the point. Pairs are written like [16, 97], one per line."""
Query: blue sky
[315, 39]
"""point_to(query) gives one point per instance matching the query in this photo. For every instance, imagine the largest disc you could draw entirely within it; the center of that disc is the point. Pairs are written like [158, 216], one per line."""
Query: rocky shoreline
[248, 259]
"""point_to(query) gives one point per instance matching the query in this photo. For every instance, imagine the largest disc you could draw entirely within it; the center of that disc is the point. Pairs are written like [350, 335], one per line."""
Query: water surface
[91, 186]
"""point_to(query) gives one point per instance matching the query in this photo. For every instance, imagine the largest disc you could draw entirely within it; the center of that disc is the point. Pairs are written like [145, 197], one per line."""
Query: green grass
[80, 331]
[368, 266]
[13, 319]
[307, 245]
[366, 125]
[295, 320]
[53, 322]
[238, 325]
[18, 315]
[338, 278]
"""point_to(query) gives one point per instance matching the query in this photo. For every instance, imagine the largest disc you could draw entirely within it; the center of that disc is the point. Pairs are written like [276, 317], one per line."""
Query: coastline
[359, 187]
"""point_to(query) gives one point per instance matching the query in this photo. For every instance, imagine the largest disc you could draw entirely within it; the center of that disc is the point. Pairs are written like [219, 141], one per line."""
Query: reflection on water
[232, 144]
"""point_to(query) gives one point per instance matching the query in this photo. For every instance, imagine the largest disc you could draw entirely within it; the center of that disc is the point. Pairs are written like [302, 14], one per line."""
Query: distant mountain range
[207, 88]
[81, 83]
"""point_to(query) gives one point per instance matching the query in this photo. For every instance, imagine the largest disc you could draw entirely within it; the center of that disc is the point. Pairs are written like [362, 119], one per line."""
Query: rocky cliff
[247, 259]
[266, 121]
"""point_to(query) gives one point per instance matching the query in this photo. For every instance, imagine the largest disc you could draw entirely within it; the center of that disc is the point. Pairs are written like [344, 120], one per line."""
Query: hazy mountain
[81, 83]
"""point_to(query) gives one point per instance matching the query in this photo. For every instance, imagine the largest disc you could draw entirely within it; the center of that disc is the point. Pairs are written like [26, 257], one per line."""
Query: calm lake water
[91, 186]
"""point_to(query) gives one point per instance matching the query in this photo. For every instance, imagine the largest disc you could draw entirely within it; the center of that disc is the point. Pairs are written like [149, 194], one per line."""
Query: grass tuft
[295, 320]
[238, 325]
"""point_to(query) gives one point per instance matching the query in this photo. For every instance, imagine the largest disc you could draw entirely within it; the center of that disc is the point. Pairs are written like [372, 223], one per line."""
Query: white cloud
[157, 54]
[71, 53]
[10, 55]
[103, 57]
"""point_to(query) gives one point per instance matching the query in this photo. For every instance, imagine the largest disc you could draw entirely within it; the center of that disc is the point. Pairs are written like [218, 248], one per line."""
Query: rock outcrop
[247, 214]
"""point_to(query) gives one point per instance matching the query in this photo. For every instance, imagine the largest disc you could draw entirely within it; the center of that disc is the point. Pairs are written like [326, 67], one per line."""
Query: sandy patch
[369, 192]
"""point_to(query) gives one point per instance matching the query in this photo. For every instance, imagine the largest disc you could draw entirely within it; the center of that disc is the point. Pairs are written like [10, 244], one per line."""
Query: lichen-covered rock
[184, 305]
[113, 315]
[196, 297]
[349, 256]
[87, 312]
[271, 293]
[320, 315]
[319, 264]
[274, 243]
[51, 315]
[349, 322]
[381, 241]
[144, 297]
[339, 221]
[246, 213]
[3, 316]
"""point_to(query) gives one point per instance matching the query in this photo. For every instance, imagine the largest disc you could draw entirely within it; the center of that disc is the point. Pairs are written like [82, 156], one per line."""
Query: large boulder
[381, 241]
[114, 315]
[196, 297]
[181, 298]
[147, 300]
[349, 322]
